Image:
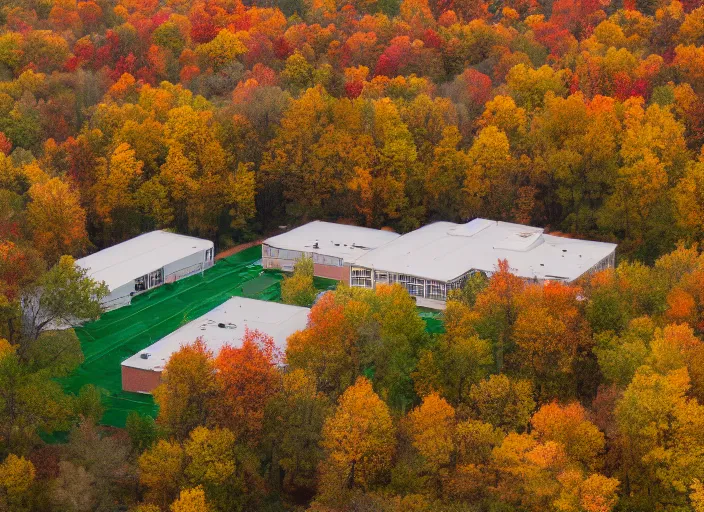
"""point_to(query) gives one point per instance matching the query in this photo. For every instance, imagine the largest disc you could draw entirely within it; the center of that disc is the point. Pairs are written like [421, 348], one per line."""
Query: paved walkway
[234, 250]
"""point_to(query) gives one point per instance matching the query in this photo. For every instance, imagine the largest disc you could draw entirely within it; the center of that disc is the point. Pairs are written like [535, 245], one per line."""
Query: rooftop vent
[145, 355]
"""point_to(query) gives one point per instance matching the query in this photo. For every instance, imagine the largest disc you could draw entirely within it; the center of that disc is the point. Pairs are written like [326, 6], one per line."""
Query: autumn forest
[226, 120]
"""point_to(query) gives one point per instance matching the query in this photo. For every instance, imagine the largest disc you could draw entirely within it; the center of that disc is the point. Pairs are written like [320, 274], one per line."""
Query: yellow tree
[299, 289]
[489, 184]
[503, 113]
[504, 402]
[529, 86]
[697, 495]
[191, 500]
[222, 50]
[689, 199]
[293, 425]
[359, 442]
[57, 220]
[241, 192]
[432, 429]
[201, 185]
[288, 160]
[472, 475]
[568, 425]
[446, 175]
[660, 437]
[397, 157]
[16, 477]
[226, 470]
[161, 471]
[654, 154]
[119, 178]
[187, 389]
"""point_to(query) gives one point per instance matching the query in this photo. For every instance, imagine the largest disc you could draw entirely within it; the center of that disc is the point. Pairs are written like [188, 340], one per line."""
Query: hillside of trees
[225, 120]
[222, 119]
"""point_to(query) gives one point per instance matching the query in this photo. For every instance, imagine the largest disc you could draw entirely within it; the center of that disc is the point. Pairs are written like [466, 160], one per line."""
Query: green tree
[459, 360]
[293, 425]
[299, 289]
[89, 404]
[64, 295]
[142, 430]
[30, 403]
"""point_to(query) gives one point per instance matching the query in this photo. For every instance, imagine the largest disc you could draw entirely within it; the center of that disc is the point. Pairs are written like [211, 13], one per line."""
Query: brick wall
[338, 273]
[138, 380]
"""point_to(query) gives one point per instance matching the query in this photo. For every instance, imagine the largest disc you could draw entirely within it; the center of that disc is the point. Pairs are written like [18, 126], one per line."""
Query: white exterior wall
[119, 297]
[184, 267]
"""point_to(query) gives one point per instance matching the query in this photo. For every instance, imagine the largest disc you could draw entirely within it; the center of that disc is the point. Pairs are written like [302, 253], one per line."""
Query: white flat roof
[444, 251]
[277, 320]
[126, 261]
[338, 240]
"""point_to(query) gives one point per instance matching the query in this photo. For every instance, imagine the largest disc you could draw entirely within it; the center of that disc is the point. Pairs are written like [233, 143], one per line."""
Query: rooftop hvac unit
[144, 355]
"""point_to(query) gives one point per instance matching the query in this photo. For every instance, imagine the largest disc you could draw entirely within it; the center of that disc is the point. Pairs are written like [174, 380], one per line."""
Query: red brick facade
[139, 381]
[337, 273]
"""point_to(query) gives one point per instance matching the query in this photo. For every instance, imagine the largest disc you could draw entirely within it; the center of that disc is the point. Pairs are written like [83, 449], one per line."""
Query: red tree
[248, 378]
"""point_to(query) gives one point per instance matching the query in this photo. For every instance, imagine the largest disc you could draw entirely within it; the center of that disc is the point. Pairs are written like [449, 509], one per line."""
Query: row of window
[150, 280]
[289, 255]
[361, 278]
[416, 286]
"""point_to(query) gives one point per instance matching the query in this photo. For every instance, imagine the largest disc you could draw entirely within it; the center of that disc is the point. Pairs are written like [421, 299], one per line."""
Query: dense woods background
[225, 120]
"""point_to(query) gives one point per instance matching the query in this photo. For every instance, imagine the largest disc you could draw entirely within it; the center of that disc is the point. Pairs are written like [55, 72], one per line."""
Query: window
[282, 254]
[140, 284]
[458, 283]
[414, 285]
[436, 290]
[331, 261]
[208, 255]
[156, 278]
[361, 277]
